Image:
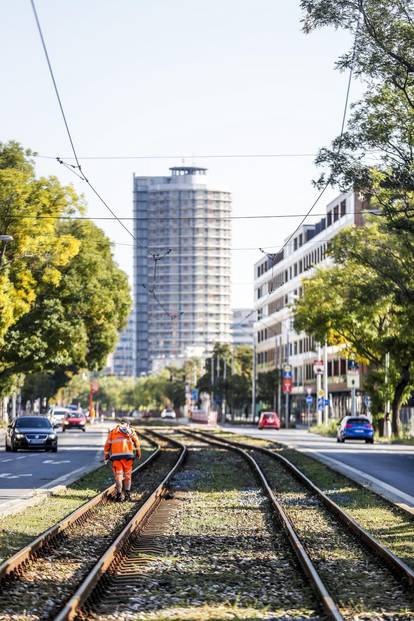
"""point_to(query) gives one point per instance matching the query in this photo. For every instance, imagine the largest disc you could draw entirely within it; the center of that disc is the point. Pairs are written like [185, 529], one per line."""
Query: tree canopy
[364, 303]
[63, 299]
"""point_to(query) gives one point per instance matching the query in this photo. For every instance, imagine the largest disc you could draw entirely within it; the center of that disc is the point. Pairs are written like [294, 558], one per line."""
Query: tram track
[352, 573]
[53, 576]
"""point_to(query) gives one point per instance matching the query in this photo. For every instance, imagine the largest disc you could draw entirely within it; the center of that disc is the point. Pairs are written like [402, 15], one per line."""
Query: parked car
[31, 432]
[57, 415]
[168, 413]
[269, 420]
[74, 421]
[355, 428]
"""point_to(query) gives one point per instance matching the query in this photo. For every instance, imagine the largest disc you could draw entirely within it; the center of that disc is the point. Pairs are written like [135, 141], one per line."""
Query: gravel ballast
[221, 555]
[48, 580]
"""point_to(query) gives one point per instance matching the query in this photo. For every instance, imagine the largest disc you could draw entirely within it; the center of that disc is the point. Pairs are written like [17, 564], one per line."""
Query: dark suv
[31, 432]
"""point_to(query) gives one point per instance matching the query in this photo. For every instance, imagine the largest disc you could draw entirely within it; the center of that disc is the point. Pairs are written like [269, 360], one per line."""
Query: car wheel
[7, 448]
[12, 447]
[84, 429]
[343, 440]
[54, 450]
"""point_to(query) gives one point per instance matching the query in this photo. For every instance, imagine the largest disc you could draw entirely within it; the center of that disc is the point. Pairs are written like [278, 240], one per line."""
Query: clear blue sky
[178, 77]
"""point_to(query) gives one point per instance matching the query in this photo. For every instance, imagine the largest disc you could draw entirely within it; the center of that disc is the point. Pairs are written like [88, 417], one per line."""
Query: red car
[269, 420]
[74, 421]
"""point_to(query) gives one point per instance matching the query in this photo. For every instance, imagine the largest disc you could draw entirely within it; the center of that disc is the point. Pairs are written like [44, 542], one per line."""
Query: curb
[388, 492]
[60, 484]
[40, 493]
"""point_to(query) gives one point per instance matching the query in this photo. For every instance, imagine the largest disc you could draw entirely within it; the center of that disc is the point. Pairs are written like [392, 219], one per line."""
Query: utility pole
[279, 386]
[254, 379]
[325, 384]
[287, 393]
[212, 379]
[318, 391]
[387, 426]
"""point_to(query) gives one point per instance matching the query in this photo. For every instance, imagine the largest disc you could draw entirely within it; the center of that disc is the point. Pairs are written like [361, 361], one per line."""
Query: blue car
[355, 428]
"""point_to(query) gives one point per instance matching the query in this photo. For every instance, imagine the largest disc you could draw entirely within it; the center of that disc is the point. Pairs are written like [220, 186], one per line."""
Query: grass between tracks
[19, 529]
[392, 526]
[221, 557]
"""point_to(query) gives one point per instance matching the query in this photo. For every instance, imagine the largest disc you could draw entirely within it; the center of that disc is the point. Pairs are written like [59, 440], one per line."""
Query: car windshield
[358, 421]
[32, 422]
[267, 415]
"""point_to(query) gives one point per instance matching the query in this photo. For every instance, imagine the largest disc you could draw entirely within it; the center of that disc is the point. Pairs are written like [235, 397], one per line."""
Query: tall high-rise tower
[182, 267]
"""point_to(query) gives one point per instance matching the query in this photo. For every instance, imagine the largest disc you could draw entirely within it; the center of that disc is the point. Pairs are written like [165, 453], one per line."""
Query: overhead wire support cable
[81, 174]
[327, 184]
[185, 157]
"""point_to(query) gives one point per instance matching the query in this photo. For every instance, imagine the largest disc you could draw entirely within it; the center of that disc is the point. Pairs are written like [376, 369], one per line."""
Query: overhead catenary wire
[79, 171]
[182, 157]
[188, 218]
[344, 114]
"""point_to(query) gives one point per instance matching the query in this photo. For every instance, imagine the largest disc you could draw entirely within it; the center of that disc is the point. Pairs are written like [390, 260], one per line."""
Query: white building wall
[277, 288]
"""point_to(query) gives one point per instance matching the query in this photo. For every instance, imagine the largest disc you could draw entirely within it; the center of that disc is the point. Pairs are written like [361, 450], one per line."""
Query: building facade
[182, 267]
[278, 283]
[122, 362]
[242, 326]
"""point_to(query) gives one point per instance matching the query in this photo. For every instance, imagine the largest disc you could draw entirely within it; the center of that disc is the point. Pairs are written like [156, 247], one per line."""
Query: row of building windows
[333, 215]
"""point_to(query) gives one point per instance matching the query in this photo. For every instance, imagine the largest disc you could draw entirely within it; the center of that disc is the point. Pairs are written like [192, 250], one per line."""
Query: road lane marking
[9, 475]
[56, 461]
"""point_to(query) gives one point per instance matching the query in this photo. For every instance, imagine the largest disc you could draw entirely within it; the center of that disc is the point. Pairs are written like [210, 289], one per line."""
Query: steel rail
[319, 587]
[370, 542]
[14, 562]
[85, 589]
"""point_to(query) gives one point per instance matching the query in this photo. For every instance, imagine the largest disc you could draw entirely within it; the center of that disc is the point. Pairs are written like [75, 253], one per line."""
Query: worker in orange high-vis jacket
[121, 447]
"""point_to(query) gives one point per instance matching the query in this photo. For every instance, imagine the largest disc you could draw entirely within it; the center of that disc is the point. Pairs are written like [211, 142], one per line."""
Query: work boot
[118, 497]
[128, 496]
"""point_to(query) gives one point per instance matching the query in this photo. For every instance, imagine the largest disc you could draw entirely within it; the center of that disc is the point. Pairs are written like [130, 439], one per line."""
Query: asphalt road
[390, 464]
[24, 472]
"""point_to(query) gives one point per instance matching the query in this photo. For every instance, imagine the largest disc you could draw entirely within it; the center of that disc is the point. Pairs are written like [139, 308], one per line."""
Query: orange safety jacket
[121, 444]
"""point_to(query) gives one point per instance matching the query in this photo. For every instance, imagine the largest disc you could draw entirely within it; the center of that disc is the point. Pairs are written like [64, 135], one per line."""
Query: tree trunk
[396, 401]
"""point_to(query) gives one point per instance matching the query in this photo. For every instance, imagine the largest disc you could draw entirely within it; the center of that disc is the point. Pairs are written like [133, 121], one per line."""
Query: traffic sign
[352, 380]
[321, 393]
[309, 399]
[352, 365]
[318, 367]
[287, 371]
[194, 394]
[287, 385]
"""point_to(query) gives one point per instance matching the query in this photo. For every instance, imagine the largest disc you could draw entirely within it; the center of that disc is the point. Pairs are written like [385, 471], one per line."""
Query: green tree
[366, 304]
[267, 384]
[228, 374]
[29, 211]
[375, 153]
[64, 298]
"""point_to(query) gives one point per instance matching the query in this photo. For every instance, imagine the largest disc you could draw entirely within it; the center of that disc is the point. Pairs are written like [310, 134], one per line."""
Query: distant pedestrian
[121, 447]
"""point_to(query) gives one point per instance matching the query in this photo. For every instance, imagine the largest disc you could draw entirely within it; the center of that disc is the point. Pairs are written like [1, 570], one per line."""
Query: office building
[182, 267]
[122, 360]
[278, 282]
[242, 326]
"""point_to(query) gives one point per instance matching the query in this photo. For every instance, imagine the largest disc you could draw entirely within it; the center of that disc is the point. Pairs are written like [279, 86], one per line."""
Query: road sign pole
[287, 411]
[353, 402]
[318, 391]
[325, 383]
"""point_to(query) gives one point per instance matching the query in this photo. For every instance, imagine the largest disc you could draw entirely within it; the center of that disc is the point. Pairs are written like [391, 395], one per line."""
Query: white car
[168, 413]
[57, 415]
